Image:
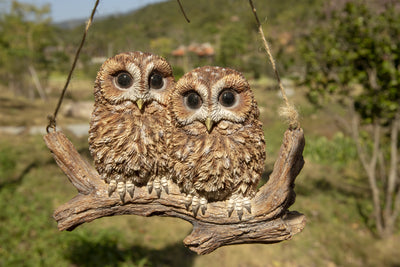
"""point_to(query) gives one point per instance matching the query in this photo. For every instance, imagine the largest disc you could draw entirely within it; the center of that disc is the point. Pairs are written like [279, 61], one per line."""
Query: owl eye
[193, 100]
[124, 80]
[227, 98]
[156, 80]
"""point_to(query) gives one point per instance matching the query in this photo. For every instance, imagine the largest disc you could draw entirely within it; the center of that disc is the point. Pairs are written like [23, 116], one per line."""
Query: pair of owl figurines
[201, 132]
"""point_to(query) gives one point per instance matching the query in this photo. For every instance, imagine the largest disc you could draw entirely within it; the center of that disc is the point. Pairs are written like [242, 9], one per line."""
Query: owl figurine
[128, 123]
[216, 146]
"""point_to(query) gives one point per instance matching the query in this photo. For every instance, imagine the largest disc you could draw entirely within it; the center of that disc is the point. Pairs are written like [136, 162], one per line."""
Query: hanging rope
[52, 118]
[288, 111]
[183, 11]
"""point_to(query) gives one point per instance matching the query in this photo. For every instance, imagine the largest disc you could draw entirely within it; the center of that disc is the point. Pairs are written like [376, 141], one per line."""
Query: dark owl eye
[156, 81]
[193, 100]
[227, 98]
[124, 80]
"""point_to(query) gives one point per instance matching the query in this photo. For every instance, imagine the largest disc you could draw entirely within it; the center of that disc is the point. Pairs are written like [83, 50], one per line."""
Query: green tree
[232, 45]
[353, 58]
[162, 46]
[25, 37]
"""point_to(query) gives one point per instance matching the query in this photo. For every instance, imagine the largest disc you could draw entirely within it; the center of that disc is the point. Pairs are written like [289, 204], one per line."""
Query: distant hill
[228, 25]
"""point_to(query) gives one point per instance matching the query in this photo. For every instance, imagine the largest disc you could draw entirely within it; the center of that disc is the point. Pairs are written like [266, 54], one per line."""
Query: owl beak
[209, 124]
[140, 103]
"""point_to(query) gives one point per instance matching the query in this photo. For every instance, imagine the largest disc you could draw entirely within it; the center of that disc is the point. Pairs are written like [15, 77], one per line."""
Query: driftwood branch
[270, 220]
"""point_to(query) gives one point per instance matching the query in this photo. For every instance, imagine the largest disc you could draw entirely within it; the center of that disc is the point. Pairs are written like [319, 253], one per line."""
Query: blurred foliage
[163, 45]
[352, 58]
[28, 39]
[354, 53]
[26, 36]
[8, 161]
[339, 151]
[233, 45]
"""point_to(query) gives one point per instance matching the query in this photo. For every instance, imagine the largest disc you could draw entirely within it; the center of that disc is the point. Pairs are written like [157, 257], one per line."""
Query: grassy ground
[331, 192]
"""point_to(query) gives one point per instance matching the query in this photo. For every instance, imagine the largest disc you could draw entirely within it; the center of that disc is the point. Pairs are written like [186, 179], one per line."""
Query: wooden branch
[269, 222]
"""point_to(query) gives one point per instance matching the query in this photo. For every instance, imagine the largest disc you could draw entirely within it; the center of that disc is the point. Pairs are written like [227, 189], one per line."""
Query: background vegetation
[322, 48]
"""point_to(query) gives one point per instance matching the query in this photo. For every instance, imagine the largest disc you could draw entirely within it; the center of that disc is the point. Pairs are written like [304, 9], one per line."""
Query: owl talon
[195, 205]
[121, 189]
[230, 207]
[164, 184]
[188, 201]
[240, 214]
[150, 187]
[157, 187]
[130, 188]
[195, 210]
[158, 192]
[111, 187]
[203, 205]
[237, 204]
[239, 209]
[247, 204]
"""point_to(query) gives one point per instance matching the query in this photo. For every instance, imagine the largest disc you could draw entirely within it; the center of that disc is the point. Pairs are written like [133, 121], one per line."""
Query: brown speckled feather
[126, 141]
[227, 161]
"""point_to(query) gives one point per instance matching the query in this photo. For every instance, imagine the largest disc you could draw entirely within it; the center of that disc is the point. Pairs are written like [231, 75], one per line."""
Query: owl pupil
[227, 98]
[156, 81]
[124, 80]
[193, 100]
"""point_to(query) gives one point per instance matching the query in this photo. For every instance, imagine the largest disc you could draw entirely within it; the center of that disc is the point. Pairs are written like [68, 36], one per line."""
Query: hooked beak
[209, 124]
[140, 103]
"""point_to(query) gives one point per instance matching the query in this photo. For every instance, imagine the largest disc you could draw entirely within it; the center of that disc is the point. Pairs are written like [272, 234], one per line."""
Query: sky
[62, 10]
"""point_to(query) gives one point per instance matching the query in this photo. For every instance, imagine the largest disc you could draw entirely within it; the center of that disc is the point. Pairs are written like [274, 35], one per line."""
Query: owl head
[134, 76]
[212, 97]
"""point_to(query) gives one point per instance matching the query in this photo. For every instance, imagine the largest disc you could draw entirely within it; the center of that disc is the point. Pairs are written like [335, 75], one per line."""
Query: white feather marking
[220, 112]
[148, 70]
[133, 93]
[200, 114]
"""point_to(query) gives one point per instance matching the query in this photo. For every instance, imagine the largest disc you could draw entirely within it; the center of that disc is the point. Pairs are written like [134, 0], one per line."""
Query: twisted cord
[183, 11]
[288, 111]
[52, 118]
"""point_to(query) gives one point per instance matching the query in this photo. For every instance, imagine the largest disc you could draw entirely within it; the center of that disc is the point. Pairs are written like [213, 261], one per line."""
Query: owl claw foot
[130, 188]
[150, 187]
[197, 203]
[203, 205]
[158, 185]
[111, 187]
[238, 204]
[121, 189]
[188, 201]
[247, 204]
[164, 184]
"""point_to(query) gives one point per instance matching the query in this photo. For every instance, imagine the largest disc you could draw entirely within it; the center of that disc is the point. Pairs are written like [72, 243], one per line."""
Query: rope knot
[52, 123]
[52, 118]
[288, 111]
[290, 114]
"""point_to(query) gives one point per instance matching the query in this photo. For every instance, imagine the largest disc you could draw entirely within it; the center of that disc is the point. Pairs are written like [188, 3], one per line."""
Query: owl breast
[229, 159]
[127, 142]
